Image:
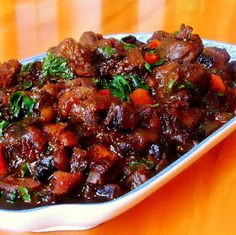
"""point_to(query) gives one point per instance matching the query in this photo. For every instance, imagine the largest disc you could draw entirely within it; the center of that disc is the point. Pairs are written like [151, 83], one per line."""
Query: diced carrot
[67, 138]
[2, 163]
[217, 83]
[151, 58]
[140, 97]
[54, 129]
[105, 92]
[153, 44]
[100, 152]
[63, 182]
[47, 114]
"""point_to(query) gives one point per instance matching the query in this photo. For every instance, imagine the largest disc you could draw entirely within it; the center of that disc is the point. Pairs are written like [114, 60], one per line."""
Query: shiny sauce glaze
[99, 117]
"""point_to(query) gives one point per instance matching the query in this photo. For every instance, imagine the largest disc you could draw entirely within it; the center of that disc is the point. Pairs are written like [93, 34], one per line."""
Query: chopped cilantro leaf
[25, 170]
[126, 45]
[21, 105]
[170, 85]
[25, 68]
[24, 194]
[107, 51]
[3, 125]
[54, 66]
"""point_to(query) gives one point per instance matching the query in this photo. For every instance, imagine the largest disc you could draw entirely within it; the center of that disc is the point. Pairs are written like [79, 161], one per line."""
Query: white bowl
[84, 216]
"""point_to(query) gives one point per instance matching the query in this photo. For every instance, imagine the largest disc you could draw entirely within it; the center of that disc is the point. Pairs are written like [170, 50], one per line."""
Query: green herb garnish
[26, 85]
[25, 170]
[150, 66]
[143, 162]
[126, 45]
[24, 194]
[25, 68]
[54, 66]
[3, 125]
[107, 51]
[170, 85]
[21, 105]
[187, 85]
[122, 85]
[176, 33]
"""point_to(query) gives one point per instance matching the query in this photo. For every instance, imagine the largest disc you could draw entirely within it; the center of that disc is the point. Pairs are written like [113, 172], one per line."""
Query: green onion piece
[54, 66]
[170, 85]
[25, 68]
[159, 62]
[25, 170]
[120, 87]
[21, 105]
[148, 67]
[126, 45]
[3, 125]
[107, 51]
[24, 194]
[26, 85]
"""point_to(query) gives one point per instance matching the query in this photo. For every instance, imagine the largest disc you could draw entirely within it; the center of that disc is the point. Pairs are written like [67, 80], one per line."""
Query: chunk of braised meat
[79, 161]
[90, 40]
[137, 178]
[221, 56]
[184, 33]
[63, 182]
[79, 58]
[136, 141]
[12, 183]
[197, 75]
[133, 63]
[102, 159]
[109, 191]
[43, 168]
[31, 77]
[23, 143]
[160, 35]
[191, 118]
[121, 116]
[182, 49]
[163, 76]
[174, 134]
[8, 73]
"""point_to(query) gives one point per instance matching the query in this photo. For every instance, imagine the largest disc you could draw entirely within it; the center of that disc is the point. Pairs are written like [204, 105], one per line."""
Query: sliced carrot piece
[140, 97]
[151, 58]
[217, 83]
[153, 44]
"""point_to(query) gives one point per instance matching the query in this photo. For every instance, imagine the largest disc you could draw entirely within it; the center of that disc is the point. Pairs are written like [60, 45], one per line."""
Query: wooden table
[201, 200]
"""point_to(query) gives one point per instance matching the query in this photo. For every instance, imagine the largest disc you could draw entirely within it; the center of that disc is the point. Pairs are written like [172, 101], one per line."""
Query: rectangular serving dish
[85, 216]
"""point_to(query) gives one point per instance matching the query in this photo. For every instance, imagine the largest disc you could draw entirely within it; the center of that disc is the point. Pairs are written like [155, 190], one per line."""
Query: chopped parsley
[21, 105]
[143, 162]
[3, 125]
[107, 51]
[122, 85]
[54, 66]
[170, 85]
[25, 68]
[126, 45]
[25, 170]
[150, 66]
[24, 194]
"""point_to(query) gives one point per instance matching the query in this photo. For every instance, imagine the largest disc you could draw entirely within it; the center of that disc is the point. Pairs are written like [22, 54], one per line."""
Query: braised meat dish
[98, 117]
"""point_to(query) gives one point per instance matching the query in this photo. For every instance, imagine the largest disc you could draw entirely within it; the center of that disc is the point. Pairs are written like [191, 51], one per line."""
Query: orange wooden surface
[201, 200]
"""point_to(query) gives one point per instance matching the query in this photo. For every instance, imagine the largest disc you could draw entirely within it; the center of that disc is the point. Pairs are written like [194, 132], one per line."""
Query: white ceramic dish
[84, 216]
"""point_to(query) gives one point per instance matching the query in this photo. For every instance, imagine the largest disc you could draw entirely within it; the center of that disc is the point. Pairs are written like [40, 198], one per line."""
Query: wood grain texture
[201, 200]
